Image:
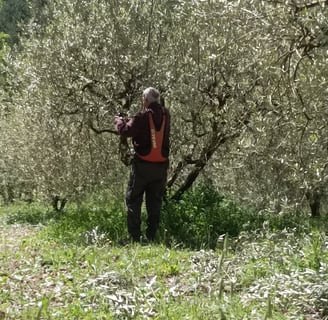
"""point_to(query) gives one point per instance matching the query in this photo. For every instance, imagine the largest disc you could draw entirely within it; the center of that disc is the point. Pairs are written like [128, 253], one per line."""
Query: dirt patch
[11, 236]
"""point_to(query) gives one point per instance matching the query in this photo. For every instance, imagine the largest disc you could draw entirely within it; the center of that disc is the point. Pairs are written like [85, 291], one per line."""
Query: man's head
[150, 95]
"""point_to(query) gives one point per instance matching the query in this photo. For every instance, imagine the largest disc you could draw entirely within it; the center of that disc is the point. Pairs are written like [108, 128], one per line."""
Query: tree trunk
[58, 203]
[314, 199]
[199, 164]
[124, 151]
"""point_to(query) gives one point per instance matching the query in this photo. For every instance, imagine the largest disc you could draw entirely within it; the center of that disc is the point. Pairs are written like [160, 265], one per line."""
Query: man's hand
[119, 121]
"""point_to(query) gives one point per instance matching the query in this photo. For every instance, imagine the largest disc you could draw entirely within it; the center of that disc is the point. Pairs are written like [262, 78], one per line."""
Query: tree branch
[309, 5]
[100, 131]
[175, 174]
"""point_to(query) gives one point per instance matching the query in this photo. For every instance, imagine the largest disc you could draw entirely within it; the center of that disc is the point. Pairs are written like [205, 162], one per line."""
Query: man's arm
[127, 127]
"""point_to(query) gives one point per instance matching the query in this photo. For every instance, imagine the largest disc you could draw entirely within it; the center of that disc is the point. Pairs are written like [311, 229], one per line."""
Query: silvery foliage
[243, 81]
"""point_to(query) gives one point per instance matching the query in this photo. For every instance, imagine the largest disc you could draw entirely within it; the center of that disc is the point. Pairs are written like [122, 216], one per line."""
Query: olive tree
[71, 79]
[241, 79]
[96, 57]
[285, 149]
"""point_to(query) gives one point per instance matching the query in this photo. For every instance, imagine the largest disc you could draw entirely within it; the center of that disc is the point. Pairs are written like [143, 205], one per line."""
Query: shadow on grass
[198, 220]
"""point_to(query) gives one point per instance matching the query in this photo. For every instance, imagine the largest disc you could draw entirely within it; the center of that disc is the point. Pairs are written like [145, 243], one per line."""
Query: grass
[71, 267]
[260, 275]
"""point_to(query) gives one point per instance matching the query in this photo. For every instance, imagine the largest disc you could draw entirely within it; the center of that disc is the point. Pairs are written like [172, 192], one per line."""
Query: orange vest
[156, 139]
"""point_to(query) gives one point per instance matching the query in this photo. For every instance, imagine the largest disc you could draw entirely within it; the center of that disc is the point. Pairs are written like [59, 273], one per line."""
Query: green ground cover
[55, 270]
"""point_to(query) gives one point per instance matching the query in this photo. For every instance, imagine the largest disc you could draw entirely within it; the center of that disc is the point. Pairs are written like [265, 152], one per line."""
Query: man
[149, 130]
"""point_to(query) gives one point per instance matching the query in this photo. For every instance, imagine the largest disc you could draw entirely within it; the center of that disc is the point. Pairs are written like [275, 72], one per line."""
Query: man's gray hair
[152, 95]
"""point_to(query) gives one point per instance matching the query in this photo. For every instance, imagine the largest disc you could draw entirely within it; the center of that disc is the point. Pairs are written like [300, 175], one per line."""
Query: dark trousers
[149, 179]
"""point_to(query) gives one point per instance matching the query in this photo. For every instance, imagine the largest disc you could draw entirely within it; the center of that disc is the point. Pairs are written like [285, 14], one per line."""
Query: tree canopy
[245, 82]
